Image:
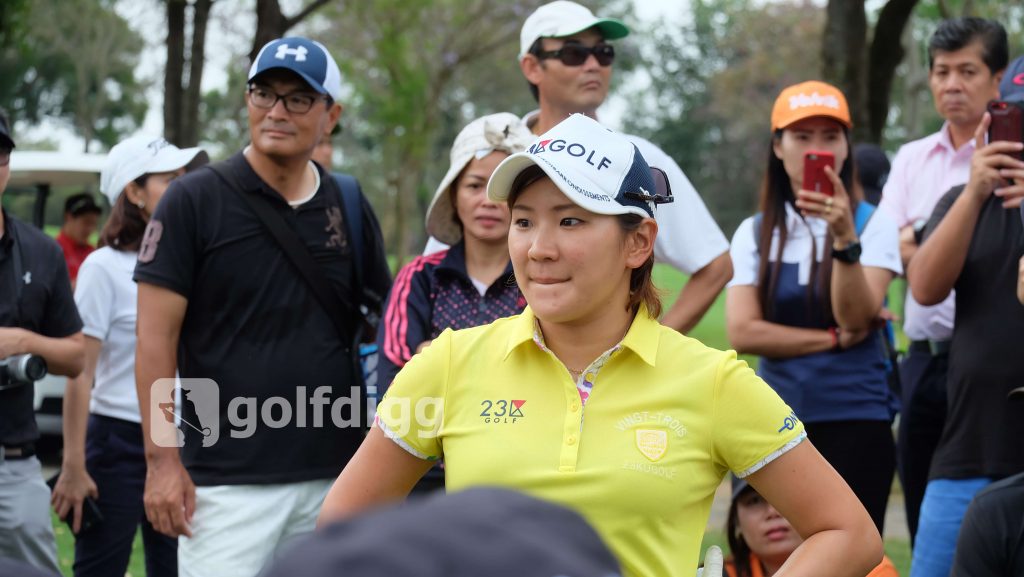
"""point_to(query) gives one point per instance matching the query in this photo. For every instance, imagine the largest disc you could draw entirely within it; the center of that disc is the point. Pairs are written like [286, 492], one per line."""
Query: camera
[19, 370]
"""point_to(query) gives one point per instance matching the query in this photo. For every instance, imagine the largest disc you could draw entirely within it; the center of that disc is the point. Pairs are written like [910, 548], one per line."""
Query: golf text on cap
[573, 149]
[299, 53]
[803, 101]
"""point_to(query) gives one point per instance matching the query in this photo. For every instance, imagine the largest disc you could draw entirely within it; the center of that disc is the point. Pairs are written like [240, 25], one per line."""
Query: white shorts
[237, 529]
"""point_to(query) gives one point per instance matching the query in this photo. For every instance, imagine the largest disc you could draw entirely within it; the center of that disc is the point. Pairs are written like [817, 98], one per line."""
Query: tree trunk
[271, 23]
[193, 92]
[173, 92]
[887, 52]
[843, 55]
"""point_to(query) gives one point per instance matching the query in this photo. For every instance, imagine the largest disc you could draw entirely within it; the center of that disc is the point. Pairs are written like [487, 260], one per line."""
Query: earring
[141, 204]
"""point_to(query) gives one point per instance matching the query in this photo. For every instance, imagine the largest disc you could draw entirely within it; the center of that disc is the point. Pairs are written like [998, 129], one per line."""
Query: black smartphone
[91, 515]
[1007, 123]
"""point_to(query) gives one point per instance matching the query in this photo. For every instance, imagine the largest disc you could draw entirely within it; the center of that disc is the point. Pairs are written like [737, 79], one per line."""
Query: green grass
[66, 550]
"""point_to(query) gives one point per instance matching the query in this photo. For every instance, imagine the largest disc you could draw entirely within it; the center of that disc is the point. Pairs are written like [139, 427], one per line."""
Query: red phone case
[814, 171]
[1007, 123]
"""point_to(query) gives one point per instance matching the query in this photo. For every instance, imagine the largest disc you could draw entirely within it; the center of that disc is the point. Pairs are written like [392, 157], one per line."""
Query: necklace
[573, 371]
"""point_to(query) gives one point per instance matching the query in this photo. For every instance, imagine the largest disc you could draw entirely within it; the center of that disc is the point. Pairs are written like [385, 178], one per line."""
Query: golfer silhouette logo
[195, 420]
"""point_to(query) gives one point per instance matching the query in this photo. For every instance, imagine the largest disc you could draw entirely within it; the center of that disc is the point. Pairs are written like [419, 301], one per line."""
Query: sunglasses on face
[577, 54]
[662, 189]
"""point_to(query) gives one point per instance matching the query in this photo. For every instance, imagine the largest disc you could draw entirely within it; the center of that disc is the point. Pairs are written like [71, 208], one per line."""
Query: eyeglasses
[662, 189]
[295, 102]
[5, 156]
[577, 54]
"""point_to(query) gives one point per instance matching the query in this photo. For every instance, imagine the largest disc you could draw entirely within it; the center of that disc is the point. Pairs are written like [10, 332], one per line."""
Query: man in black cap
[37, 317]
[81, 217]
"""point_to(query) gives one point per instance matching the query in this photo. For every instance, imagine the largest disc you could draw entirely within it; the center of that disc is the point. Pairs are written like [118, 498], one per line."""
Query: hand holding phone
[1007, 123]
[91, 514]
[815, 178]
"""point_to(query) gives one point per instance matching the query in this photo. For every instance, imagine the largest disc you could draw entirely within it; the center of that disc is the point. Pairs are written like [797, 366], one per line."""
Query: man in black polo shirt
[37, 316]
[973, 243]
[219, 299]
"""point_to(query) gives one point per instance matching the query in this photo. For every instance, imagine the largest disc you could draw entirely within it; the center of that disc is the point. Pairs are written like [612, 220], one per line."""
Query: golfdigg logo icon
[168, 422]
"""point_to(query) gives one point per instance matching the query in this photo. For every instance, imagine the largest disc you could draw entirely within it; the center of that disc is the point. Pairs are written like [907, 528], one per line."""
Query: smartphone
[814, 171]
[1007, 123]
[91, 515]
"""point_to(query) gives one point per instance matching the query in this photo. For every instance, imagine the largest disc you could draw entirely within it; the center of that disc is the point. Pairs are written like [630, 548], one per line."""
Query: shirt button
[575, 406]
[571, 440]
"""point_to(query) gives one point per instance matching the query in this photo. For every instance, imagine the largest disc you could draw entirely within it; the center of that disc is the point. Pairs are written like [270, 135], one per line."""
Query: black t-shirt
[254, 327]
[991, 542]
[46, 307]
[984, 433]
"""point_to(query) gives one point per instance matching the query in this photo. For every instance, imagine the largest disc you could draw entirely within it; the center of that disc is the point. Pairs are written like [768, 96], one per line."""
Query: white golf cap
[599, 170]
[564, 18]
[140, 155]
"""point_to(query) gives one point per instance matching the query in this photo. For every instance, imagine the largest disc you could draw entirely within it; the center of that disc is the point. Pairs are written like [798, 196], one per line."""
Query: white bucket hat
[503, 132]
[140, 155]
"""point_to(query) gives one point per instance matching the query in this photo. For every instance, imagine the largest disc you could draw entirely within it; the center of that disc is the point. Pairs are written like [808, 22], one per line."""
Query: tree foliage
[75, 60]
[713, 83]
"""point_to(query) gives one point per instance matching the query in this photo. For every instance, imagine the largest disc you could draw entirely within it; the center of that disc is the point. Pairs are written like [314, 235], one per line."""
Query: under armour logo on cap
[299, 53]
[307, 58]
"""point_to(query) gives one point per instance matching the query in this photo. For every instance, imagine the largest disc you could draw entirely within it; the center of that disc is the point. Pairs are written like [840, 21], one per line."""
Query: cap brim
[169, 160]
[500, 185]
[316, 86]
[6, 141]
[610, 29]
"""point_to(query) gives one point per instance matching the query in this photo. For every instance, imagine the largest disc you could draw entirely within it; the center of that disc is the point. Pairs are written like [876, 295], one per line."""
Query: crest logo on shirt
[652, 443]
[789, 423]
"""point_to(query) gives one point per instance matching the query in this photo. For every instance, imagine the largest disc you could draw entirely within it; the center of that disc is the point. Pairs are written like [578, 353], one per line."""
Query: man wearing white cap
[255, 276]
[37, 317]
[564, 55]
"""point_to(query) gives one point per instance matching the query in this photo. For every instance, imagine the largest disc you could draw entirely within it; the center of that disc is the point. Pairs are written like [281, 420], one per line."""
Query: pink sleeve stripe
[396, 318]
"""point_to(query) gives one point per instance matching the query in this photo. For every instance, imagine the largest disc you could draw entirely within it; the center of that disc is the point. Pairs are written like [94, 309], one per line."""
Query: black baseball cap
[5, 131]
[81, 203]
[480, 531]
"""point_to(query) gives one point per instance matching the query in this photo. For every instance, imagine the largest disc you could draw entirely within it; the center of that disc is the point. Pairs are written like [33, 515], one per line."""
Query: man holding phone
[966, 58]
[973, 243]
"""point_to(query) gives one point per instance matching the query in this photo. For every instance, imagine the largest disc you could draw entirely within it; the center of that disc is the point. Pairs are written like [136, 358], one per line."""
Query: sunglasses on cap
[662, 189]
[576, 54]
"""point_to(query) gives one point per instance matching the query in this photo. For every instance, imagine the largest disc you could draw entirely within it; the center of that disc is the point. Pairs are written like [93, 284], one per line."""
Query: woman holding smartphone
[808, 288]
[585, 400]
[103, 450]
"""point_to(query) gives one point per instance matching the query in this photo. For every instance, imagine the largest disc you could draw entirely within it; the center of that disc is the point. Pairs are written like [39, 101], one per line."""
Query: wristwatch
[849, 255]
[919, 226]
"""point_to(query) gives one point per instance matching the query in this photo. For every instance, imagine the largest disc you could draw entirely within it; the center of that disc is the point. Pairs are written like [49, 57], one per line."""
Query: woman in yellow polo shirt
[585, 400]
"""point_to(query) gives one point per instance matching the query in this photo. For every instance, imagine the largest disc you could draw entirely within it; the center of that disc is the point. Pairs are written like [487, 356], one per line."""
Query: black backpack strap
[296, 252]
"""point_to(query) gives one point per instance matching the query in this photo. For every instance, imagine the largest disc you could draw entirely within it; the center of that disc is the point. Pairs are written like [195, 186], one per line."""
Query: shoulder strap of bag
[296, 252]
[351, 201]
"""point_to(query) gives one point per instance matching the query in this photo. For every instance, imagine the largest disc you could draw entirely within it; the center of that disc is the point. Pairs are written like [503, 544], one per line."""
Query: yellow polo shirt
[666, 419]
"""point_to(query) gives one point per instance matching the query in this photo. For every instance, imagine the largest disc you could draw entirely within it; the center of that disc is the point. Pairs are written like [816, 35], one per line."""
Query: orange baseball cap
[809, 99]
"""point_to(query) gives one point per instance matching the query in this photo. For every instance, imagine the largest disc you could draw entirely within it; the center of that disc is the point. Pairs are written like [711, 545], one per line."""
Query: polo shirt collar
[642, 337]
[454, 262]
[943, 140]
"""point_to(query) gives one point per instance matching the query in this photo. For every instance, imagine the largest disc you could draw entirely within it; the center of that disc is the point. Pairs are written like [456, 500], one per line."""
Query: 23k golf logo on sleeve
[502, 411]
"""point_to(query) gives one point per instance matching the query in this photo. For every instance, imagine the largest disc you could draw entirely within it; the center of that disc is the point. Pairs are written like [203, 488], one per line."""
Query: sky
[227, 30]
